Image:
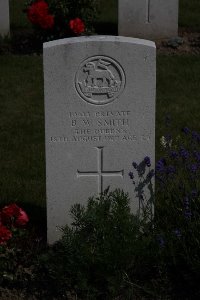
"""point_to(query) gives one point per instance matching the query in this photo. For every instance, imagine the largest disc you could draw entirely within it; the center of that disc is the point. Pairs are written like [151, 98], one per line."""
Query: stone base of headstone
[148, 19]
[4, 18]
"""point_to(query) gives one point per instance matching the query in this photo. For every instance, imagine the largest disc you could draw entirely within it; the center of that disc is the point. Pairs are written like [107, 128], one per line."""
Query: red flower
[47, 22]
[9, 212]
[22, 218]
[38, 14]
[13, 215]
[5, 234]
[77, 26]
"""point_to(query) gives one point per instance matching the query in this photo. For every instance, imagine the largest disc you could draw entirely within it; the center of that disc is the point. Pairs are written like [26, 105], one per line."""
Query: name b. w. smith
[101, 122]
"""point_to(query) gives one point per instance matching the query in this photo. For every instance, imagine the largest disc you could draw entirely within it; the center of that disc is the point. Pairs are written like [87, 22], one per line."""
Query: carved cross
[100, 173]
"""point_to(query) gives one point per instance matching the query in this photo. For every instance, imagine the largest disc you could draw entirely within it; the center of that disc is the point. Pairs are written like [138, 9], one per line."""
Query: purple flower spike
[186, 202]
[177, 233]
[184, 153]
[161, 241]
[171, 170]
[194, 193]
[174, 154]
[187, 214]
[195, 136]
[187, 210]
[150, 174]
[130, 174]
[186, 130]
[160, 166]
[147, 161]
[134, 165]
[197, 155]
[193, 168]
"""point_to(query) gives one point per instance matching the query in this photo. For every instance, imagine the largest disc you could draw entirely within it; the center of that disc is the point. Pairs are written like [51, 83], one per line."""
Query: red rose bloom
[36, 11]
[5, 234]
[47, 22]
[77, 26]
[13, 215]
[9, 212]
[22, 218]
[38, 14]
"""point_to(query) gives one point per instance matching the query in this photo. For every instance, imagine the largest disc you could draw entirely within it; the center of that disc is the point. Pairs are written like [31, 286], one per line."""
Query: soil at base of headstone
[187, 42]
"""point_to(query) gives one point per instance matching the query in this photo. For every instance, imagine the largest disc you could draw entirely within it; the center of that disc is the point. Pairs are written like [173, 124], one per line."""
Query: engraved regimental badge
[100, 80]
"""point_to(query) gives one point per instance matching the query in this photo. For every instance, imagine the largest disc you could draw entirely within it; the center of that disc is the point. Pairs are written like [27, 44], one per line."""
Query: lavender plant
[178, 180]
[144, 188]
[176, 222]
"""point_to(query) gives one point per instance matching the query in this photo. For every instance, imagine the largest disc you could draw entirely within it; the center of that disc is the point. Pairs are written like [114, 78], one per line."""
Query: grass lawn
[189, 14]
[22, 166]
[178, 80]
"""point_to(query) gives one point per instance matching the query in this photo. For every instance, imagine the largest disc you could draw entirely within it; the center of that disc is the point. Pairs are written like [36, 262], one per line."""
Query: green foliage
[16, 260]
[109, 253]
[178, 185]
[178, 208]
[63, 11]
[103, 250]
[4, 45]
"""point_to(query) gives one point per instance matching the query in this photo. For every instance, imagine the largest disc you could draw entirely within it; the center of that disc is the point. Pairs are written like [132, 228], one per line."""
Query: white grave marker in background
[4, 18]
[149, 19]
[99, 118]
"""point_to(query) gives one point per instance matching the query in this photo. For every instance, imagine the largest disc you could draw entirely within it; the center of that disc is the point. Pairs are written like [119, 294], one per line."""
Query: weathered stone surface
[149, 19]
[99, 116]
[4, 18]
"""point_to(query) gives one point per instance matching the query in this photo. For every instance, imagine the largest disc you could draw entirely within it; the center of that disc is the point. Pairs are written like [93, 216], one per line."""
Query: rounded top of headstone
[99, 38]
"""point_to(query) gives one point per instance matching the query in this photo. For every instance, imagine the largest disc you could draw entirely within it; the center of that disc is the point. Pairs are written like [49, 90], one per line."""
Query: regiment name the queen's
[100, 90]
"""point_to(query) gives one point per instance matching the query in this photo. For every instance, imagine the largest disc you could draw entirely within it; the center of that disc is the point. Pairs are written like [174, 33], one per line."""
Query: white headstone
[4, 18]
[99, 116]
[149, 19]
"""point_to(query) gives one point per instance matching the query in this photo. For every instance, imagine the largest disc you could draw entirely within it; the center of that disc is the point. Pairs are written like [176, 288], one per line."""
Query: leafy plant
[13, 220]
[53, 19]
[177, 208]
[102, 252]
